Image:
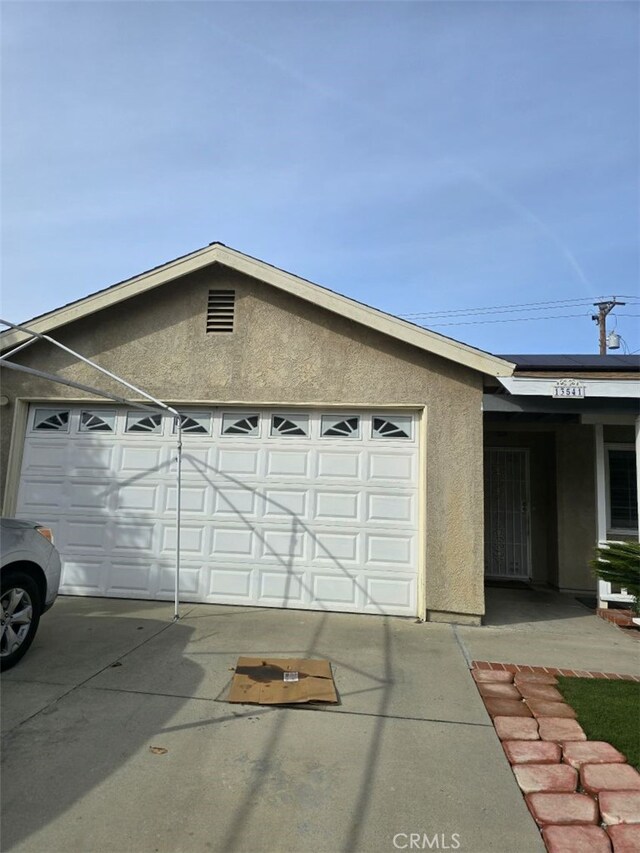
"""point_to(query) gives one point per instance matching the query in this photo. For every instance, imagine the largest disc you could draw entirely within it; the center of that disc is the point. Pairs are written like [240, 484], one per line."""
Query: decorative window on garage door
[240, 424]
[51, 420]
[340, 427]
[195, 423]
[144, 423]
[397, 427]
[97, 421]
[290, 425]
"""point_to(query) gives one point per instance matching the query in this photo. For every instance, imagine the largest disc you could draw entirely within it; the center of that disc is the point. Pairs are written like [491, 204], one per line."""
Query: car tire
[20, 610]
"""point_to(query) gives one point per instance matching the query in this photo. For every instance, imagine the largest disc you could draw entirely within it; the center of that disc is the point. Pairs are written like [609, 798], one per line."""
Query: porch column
[604, 588]
[638, 469]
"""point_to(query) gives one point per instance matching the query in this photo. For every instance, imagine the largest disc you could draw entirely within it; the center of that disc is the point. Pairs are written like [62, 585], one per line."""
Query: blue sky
[420, 157]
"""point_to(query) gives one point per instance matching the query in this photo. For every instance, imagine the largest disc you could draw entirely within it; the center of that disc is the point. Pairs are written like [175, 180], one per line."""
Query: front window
[623, 489]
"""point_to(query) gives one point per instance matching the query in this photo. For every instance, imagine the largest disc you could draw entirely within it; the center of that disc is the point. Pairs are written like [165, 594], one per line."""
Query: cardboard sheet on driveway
[282, 681]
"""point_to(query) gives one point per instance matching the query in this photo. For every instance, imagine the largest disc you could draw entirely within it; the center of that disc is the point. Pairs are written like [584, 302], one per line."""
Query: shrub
[619, 563]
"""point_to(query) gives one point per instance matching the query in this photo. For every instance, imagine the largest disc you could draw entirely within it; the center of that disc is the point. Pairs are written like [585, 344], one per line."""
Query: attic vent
[220, 309]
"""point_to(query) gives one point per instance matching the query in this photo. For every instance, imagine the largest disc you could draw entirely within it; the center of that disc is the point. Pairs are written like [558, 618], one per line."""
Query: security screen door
[506, 512]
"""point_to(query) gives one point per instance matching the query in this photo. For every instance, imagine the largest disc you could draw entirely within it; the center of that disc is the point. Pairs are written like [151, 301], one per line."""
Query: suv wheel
[20, 611]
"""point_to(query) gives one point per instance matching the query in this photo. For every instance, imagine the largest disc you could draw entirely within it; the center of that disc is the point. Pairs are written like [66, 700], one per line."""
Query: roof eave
[401, 330]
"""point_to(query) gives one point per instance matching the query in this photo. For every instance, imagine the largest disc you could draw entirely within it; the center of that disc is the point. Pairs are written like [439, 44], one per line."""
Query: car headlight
[47, 532]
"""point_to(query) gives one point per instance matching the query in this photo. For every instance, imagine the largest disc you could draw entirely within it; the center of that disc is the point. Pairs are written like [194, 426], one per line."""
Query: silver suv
[29, 578]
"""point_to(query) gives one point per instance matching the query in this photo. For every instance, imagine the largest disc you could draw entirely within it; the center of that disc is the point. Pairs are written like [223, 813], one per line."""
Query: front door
[506, 513]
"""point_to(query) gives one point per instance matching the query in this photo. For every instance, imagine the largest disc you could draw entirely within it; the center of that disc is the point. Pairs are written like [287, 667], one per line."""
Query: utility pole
[604, 308]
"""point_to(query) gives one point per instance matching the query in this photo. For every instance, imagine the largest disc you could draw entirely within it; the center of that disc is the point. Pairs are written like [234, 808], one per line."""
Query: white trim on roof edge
[218, 253]
[544, 387]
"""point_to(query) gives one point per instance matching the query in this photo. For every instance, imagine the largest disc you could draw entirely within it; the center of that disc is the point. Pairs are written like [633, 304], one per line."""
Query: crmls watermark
[424, 841]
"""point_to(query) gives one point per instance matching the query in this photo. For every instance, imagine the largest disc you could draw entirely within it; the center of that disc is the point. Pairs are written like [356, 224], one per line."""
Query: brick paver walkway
[582, 794]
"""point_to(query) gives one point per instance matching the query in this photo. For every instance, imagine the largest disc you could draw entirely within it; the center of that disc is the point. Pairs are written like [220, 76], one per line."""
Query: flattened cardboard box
[282, 681]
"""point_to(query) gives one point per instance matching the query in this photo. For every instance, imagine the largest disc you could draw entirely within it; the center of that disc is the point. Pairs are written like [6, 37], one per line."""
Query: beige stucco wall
[285, 350]
[577, 534]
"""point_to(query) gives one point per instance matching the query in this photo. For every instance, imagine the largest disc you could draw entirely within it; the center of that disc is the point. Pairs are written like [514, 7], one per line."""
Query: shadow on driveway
[61, 739]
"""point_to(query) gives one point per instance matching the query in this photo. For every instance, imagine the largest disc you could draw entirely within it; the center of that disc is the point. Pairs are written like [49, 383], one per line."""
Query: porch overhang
[560, 388]
[586, 409]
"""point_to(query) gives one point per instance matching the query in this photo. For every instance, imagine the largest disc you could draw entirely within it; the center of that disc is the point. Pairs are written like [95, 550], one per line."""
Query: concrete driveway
[410, 748]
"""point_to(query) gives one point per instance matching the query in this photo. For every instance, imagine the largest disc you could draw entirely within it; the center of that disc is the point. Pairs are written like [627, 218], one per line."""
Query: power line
[516, 320]
[509, 320]
[476, 311]
[516, 307]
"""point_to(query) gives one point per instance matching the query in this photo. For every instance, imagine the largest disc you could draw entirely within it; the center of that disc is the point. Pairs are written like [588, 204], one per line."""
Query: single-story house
[334, 457]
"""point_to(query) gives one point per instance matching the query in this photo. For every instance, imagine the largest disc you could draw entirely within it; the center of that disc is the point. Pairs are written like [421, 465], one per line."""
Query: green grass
[607, 710]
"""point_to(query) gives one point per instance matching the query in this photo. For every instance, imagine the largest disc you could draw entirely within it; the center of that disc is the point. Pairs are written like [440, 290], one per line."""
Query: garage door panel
[285, 503]
[383, 549]
[337, 507]
[335, 547]
[288, 463]
[334, 591]
[85, 576]
[339, 465]
[85, 535]
[193, 499]
[136, 458]
[279, 589]
[138, 497]
[235, 503]
[92, 458]
[190, 580]
[236, 542]
[392, 466]
[95, 495]
[41, 496]
[136, 535]
[286, 546]
[131, 577]
[386, 507]
[196, 463]
[192, 540]
[390, 594]
[326, 520]
[239, 463]
[230, 582]
[46, 459]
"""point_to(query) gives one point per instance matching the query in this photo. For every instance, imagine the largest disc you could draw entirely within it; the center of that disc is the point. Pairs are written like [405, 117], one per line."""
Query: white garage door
[315, 510]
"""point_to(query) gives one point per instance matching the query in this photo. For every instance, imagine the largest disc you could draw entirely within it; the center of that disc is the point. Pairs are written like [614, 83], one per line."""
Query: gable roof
[218, 253]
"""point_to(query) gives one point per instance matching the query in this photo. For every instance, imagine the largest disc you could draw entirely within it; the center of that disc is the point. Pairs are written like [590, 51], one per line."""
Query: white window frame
[99, 413]
[238, 414]
[354, 436]
[306, 416]
[200, 414]
[137, 433]
[391, 417]
[52, 410]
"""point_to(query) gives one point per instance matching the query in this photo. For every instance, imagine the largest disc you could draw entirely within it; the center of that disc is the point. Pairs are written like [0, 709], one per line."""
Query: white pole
[176, 614]
[90, 363]
[21, 346]
[604, 588]
[22, 368]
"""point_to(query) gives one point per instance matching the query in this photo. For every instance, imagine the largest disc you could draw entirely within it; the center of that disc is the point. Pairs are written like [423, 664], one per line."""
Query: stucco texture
[286, 350]
[577, 534]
